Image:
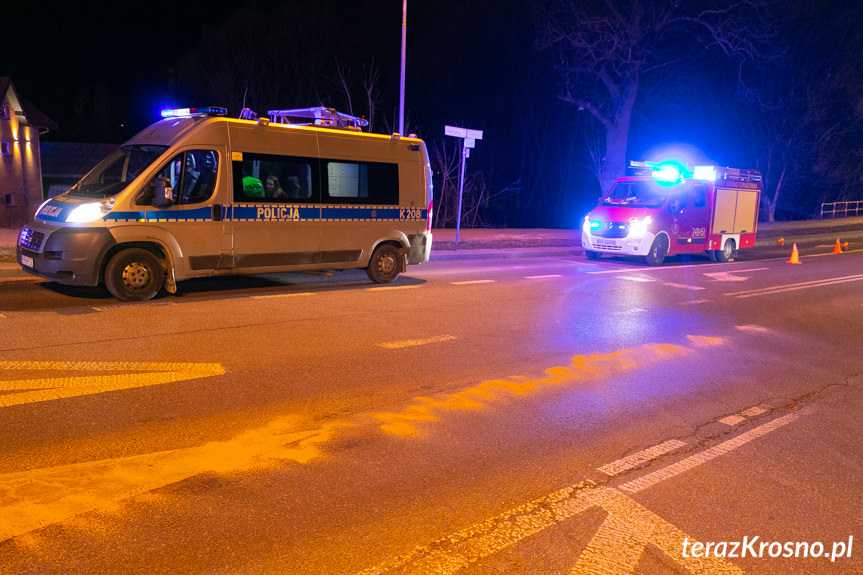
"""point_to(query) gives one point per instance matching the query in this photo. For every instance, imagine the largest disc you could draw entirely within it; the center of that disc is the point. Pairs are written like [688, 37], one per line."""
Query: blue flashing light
[669, 172]
[187, 112]
[595, 225]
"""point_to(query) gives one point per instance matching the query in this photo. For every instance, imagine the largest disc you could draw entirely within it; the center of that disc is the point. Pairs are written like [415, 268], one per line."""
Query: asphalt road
[487, 415]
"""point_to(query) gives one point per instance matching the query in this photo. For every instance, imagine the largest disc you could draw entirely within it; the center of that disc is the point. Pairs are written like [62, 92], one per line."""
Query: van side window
[699, 193]
[191, 175]
[268, 178]
[361, 182]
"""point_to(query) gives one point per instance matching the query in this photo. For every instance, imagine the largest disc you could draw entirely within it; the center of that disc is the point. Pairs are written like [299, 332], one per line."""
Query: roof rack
[318, 116]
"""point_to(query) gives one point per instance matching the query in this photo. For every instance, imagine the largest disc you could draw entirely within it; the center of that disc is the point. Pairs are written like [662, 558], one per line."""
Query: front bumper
[628, 246]
[69, 256]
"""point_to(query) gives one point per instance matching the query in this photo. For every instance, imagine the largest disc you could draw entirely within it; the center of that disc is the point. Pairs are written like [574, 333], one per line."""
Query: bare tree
[606, 49]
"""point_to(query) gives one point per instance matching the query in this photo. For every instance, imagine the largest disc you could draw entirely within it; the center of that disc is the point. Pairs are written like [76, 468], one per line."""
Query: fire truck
[665, 209]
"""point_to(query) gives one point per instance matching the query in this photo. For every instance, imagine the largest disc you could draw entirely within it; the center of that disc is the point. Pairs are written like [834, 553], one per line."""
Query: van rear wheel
[385, 264]
[134, 274]
[726, 254]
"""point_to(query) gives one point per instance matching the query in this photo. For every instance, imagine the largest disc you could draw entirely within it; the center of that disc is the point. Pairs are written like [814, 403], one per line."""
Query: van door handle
[217, 212]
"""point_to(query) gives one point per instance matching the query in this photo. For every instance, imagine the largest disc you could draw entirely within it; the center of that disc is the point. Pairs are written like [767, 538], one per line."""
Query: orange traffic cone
[837, 249]
[795, 257]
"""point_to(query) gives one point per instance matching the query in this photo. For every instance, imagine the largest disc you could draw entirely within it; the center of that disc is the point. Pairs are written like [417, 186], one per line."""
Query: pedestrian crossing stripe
[100, 377]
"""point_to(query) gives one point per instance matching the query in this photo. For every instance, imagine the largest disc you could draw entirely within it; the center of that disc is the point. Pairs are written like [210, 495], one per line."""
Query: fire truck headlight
[90, 212]
[639, 227]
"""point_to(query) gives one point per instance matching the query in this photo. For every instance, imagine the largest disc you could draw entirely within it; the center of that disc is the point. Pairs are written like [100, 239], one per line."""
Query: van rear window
[361, 182]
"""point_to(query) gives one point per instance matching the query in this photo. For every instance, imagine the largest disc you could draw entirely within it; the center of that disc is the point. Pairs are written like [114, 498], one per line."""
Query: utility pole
[402, 77]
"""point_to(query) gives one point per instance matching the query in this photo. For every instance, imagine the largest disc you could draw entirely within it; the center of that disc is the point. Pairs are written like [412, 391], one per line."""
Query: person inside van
[274, 188]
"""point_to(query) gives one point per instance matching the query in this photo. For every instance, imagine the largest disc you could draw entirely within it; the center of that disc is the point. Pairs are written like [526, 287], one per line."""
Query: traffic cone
[795, 257]
[837, 249]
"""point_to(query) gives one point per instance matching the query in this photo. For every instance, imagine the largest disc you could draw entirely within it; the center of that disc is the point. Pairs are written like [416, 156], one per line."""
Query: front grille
[612, 230]
[31, 239]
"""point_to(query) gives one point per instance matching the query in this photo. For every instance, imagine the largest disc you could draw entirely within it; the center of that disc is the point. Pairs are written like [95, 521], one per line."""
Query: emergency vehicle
[666, 209]
[200, 194]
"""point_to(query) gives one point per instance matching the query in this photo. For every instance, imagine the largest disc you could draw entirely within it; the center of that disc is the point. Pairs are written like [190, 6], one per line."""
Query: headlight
[90, 212]
[639, 227]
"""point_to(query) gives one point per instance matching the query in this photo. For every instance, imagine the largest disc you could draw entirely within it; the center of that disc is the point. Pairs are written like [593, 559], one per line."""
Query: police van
[200, 194]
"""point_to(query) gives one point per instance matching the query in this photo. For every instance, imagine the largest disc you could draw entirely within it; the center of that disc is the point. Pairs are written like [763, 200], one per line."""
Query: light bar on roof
[186, 112]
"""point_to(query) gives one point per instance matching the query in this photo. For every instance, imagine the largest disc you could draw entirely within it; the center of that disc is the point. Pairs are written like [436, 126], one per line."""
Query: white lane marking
[683, 286]
[471, 282]
[755, 328]
[543, 277]
[794, 287]
[731, 276]
[636, 527]
[636, 459]
[620, 542]
[637, 279]
[391, 288]
[696, 301]
[283, 295]
[732, 419]
[416, 342]
[753, 411]
[694, 461]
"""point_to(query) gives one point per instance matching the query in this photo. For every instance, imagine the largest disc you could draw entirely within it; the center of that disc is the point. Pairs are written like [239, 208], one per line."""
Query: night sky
[102, 72]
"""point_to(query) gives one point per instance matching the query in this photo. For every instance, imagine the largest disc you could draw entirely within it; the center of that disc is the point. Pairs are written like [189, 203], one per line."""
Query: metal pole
[464, 150]
[402, 79]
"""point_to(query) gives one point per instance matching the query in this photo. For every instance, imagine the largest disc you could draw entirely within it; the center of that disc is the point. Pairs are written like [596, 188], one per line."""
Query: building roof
[32, 114]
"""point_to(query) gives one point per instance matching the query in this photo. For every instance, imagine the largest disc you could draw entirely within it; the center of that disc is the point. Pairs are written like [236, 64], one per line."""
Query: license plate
[27, 261]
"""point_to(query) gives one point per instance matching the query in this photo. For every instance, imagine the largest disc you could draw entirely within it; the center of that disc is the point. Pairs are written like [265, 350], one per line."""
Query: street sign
[468, 141]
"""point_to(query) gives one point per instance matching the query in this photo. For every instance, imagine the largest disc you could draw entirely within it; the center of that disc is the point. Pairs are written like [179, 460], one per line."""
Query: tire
[134, 274]
[726, 254]
[385, 264]
[592, 255]
[657, 252]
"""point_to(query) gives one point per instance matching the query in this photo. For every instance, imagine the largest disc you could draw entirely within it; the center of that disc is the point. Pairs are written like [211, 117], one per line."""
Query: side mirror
[163, 195]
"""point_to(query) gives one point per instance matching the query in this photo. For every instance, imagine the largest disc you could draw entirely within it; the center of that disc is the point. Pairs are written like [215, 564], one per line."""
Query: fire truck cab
[666, 209]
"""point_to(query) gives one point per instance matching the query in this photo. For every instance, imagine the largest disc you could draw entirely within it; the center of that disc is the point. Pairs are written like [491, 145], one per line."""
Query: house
[21, 125]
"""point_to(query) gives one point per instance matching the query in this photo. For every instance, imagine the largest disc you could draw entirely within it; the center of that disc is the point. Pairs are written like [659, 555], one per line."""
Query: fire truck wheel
[657, 252]
[592, 255]
[726, 253]
[134, 275]
[385, 264]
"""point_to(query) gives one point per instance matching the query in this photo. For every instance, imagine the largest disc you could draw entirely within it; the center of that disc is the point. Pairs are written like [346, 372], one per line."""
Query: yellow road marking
[21, 391]
[582, 368]
[36, 498]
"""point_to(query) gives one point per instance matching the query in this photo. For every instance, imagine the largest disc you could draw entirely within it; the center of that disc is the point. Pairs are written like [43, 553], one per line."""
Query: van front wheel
[385, 264]
[134, 275]
[657, 252]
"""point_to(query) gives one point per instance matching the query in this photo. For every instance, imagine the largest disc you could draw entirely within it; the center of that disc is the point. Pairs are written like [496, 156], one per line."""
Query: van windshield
[116, 171]
[637, 194]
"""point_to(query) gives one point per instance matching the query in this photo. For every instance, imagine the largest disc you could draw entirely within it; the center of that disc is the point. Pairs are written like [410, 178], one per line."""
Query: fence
[841, 209]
